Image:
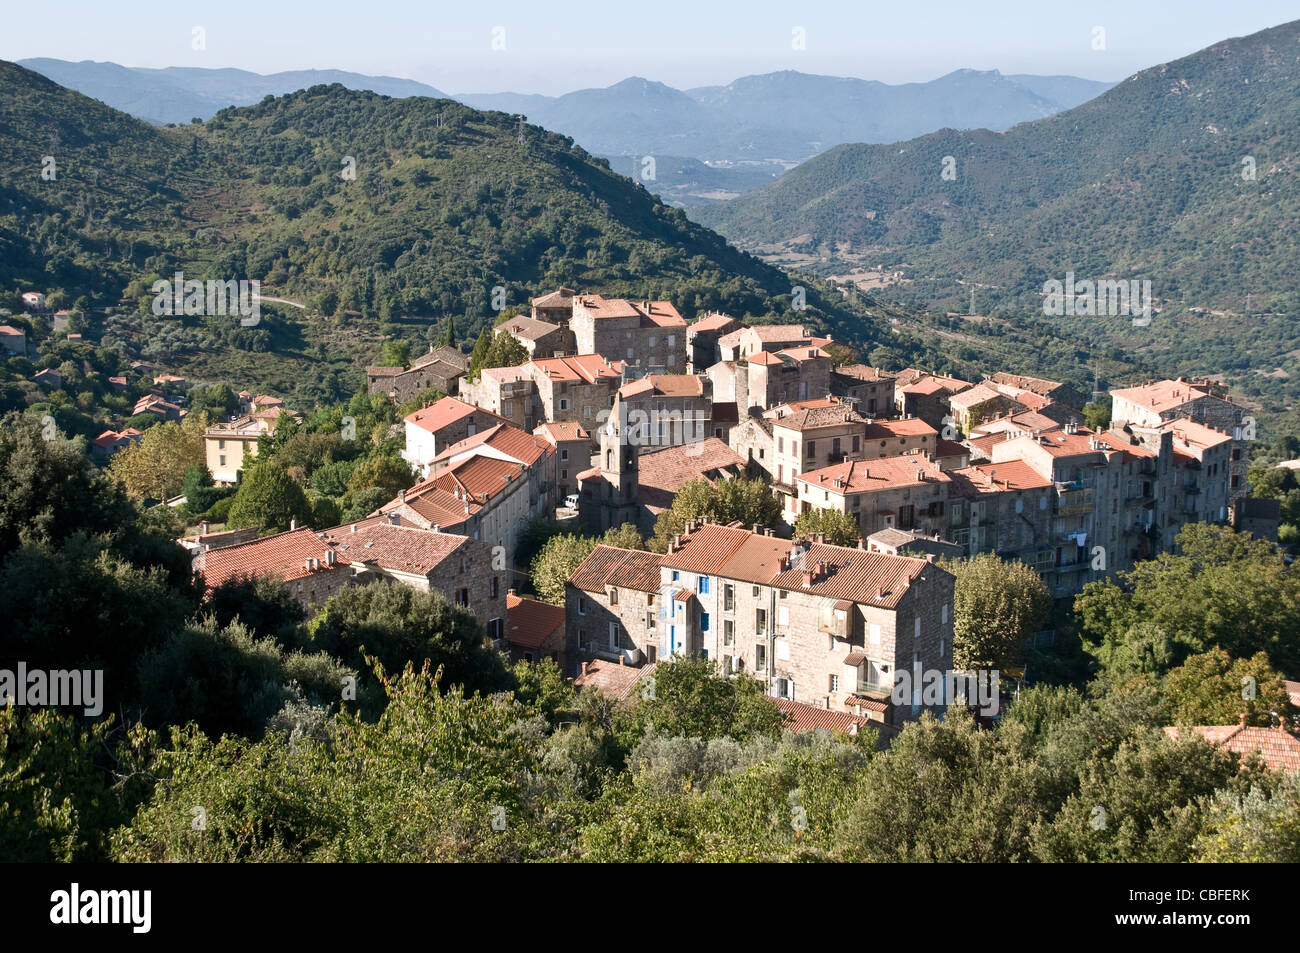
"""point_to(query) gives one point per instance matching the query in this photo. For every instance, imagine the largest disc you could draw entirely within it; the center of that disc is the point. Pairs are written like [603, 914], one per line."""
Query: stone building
[432, 429]
[611, 608]
[506, 392]
[648, 334]
[572, 454]
[534, 630]
[555, 308]
[441, 367]
[1018, 385]
[541, 339]
[921, 394]
[665, 410]
[1203, 401]
[702, 340]
[829, 626]
[906, 492]
[870, 390]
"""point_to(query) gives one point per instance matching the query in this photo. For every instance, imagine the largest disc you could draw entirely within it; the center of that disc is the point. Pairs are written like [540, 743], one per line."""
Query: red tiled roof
[505, 439]
[667, 385]
[860, 576]
[714, 322]
[530, 329]
[664, 472]
[562, 430]
[393, 548]
[884, 429]
[1007, 476]
[623, 568]
[282, 556]
[1279, 747]
[479, 477]
[530, 623]
[868, 476]
[612, 679]
[588, 368]
[800, 718]
[445, 412]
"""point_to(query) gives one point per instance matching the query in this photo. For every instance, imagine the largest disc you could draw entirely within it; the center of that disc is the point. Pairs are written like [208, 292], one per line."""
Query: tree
[689, 697]
[396, 624]
[1261, 826]
[268, 499]
[749, 501]
[997, 605]
[1214, 689]
[389, 475]
[155, 467]
[395, 354]
[626, 536]
[838, 529]
[556, 563]
[1220, 588]
[200, 492]
[219, 402]
[1097, 416]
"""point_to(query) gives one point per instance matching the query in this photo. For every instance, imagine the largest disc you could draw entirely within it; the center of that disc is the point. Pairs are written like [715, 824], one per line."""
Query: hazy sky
[553, 47]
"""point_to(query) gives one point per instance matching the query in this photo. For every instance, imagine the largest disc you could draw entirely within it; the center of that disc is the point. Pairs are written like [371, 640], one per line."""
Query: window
[780, 444]
[760, 657]
[495, 629]
[1042, 500]
[856, 443]
[223, 460]
[676, 575]
[782, 616]
[652, 340]
[760, 621]
[728, 596]
[704, 585]
[582, 638]
[564, 454]
[564, 474]
[916, 627]
[494, 588]
[672, 340]
[944, 614]
[462, 597]
[784, 689]
[221, 445]
[834, 683]
[812, 449]
[1020, 504]
[582, 606]
[586, 411]
[613, 596]
[650, 619]
[564, 403]
[704, 622]
[755, 593]
[613, 636]
[728, 664]
[728, 632]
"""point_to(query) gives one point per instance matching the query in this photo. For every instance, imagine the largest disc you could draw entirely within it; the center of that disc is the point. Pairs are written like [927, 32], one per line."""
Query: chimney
[331, 558]
[293, 523]
[203, 528]
[807, 578]
[511, 592]
[584, 667]
[401, 496]
[354, 527]
[757, 529]
[677, 539]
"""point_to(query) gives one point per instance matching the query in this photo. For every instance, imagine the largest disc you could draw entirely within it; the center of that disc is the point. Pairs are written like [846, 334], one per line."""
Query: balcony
[1072, 498]
[875, 688]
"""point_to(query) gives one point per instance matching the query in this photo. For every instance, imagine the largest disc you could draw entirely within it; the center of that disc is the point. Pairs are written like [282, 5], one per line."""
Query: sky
[557, 46]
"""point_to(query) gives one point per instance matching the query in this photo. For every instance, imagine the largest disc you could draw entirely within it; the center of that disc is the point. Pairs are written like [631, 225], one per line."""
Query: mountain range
[1187, 174]
[785, 116]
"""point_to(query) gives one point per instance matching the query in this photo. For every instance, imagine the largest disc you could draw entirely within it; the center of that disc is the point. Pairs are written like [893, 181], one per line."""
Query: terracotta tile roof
[1161, 395]
[1195, 434]
[444, 413]
[1279, 747]
[1023, 422]
[869, 476]
[8, 330]
[384, 371]
[454, 358]
[651, 313]
[478, 478]
[731, 338]
[624, 568]
[283, 556]
[1293, 689]
[265, 401]
[560, 298]
[560, 431]
[857, 575]
[1007, 476]
[801, 718]
[950, 448]
[778, 333]
[530, 329]
[913, 381]
[1035, 385]
[863, 373]
[884, 429]
[405, 549]
[802, 353]
[663, 472]
[588, 368]
[714, 322]
[976, 395]
[809, 415]
[666, 385]
[612, 679]
[504, 439]
[530, 623]
[435, 506]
